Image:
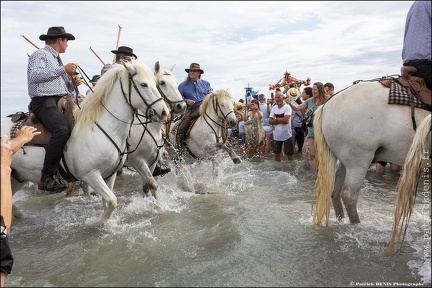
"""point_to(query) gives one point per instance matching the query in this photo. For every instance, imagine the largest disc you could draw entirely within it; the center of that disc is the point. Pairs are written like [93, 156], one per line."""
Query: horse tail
[408, 182]
[326, 166]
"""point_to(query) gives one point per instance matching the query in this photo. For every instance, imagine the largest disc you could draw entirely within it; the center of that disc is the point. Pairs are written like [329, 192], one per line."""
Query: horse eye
[162, 83]
[144, 85]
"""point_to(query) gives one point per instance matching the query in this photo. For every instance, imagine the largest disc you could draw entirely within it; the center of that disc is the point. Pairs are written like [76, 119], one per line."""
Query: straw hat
[293, 92]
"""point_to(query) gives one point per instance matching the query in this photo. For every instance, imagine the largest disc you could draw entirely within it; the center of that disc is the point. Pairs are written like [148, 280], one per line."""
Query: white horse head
[219, 104]
[207, 135]
[168, 88]
[137, 84]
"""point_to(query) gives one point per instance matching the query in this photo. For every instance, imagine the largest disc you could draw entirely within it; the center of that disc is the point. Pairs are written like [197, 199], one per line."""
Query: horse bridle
[165, 97]
[129, 102]
[217, 108]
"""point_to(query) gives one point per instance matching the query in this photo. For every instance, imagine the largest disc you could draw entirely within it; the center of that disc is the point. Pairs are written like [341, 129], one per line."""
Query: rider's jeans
[46, 110]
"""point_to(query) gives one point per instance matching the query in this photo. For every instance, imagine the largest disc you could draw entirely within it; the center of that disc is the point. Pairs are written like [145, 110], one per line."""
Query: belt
[51, 96]
[416, 62]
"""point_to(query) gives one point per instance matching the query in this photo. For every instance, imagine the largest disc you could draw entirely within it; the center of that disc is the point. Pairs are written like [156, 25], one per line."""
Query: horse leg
[17, 185]
[16, 213]
[353, 183]
[87, 189]
[149, 182]
[336, 195]
[215, 166]
[71, 186]
[234, 157]
[109, 200]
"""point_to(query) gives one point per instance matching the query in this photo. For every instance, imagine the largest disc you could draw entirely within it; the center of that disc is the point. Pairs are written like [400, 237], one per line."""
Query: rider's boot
[49, 183]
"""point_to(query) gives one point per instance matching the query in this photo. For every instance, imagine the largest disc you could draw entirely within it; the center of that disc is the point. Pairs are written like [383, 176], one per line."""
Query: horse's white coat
[205, 138]
[91, 156]
[358, 127]
[148, 140]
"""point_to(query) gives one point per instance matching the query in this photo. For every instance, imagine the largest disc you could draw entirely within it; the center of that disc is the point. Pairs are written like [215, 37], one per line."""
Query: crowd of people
[277, 124]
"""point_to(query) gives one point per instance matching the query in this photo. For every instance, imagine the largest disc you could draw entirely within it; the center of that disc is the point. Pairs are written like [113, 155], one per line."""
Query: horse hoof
[18, 215]
[237, 160]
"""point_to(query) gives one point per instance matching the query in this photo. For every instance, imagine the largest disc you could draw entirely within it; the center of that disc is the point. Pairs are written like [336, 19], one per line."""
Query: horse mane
[221, 94]
[91, 107]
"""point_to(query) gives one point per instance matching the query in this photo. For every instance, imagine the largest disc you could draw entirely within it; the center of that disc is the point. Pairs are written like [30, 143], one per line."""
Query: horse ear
[130, 68]
[157, 67]
[172, 68]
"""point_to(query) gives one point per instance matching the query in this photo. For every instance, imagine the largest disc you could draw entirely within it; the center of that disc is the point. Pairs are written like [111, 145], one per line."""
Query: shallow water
[250, 225]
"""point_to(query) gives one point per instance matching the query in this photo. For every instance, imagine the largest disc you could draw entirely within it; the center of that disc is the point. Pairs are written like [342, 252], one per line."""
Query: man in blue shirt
[48, 81]
[193, 89]
[416, 49]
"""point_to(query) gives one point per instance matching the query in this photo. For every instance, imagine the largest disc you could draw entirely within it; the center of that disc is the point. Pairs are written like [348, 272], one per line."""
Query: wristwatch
[3, 232]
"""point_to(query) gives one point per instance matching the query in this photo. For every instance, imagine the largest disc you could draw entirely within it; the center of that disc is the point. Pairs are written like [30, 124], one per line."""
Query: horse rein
[166, 99]
[134, 111]
[217, 108]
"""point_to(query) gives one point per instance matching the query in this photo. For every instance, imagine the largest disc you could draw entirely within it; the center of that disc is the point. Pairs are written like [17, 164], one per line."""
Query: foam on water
[251, 227]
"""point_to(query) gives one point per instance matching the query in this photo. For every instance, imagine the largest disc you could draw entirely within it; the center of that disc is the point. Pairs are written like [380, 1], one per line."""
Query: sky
[237, 43]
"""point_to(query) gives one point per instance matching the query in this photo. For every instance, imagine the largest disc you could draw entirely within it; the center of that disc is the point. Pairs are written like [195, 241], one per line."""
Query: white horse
[147, 141]
[147, 138]
[207, 135]
[97, 145]
[413, 170]
[357, 126]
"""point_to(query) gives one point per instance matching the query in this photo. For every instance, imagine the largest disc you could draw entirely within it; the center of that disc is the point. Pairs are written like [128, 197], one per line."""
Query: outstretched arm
[6, 187]
[23, 136]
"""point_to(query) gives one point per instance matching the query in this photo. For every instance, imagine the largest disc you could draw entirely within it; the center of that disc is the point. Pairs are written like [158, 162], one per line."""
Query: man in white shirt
[280, 117]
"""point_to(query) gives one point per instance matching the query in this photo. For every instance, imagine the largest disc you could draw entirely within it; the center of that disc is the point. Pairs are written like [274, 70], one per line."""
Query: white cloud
[237, 43]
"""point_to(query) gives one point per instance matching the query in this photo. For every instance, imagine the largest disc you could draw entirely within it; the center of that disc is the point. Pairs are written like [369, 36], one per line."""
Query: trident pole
[97, 55]
[118, 39]
[30, 41]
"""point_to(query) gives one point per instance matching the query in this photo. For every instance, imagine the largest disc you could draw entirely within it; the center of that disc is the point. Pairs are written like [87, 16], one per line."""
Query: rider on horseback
[193, 90]
[48, 81]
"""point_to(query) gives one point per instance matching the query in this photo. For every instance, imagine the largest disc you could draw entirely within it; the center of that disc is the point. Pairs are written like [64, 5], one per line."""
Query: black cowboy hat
[95, 78]
[194, 66]
[55, 32]
[124, 50]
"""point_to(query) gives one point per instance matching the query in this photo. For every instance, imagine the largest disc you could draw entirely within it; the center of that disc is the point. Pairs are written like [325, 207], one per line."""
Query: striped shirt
[46, 75]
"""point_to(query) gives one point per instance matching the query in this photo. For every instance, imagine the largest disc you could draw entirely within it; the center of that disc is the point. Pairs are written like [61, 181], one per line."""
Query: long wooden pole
[118, 39]
[30, 41]
[97, 55]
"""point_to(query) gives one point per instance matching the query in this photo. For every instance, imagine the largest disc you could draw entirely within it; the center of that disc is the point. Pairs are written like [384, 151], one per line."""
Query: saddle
[416, 84]
[65, 105]
[416, 93]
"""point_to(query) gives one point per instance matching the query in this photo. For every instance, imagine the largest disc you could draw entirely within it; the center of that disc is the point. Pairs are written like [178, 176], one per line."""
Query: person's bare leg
[311, 148]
